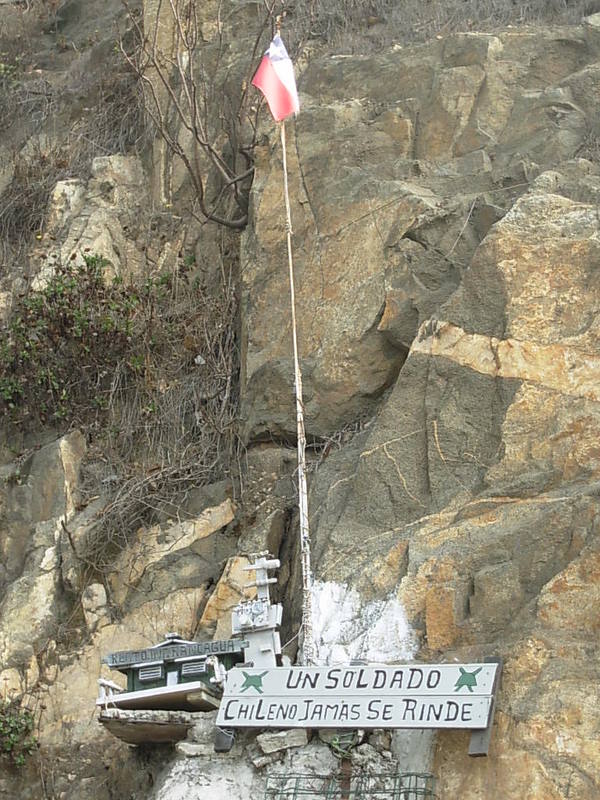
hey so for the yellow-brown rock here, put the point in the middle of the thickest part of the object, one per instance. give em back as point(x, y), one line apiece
point(231, 588)
point(190, 549)
point(572, 598)
point(441, 628)
point(484, 459)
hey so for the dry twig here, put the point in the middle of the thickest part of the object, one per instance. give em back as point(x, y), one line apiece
point(180, 92)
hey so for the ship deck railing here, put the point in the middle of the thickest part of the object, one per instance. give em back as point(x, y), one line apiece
point(107, 691)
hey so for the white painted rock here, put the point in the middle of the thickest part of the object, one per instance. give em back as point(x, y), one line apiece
point(271, 742)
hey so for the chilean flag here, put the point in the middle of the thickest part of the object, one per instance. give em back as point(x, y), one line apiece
point(275, 79)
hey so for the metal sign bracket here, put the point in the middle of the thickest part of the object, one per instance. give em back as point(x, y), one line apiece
point(480, 739)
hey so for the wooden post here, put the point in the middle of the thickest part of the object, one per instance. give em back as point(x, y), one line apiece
point(345, 778)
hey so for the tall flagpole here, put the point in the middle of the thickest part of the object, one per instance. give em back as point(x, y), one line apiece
point(307, 626)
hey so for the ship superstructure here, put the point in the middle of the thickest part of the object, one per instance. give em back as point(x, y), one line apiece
point(179, 675)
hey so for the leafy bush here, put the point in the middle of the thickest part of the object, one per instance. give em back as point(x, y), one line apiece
point(60, 348)
point(73, 348)
point(147, 370)
point(16, 733)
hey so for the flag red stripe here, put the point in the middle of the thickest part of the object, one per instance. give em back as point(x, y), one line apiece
point(280, 101)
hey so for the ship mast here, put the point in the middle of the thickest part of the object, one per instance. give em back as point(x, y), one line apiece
point(275, 79)
point(307, 580)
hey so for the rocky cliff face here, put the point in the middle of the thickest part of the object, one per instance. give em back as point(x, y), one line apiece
point(445, 203)
point(447, 247)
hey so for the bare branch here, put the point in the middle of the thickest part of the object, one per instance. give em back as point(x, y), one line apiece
point(178, 94)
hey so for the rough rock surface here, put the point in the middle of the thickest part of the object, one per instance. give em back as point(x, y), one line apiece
point(446, 216)
point(94, 218)
point(35, 498)
point(197, 772)
point(170, 557)
point(447, 243)
point(230, 589)
point(391, 194)
point(271, 742)
point(482, 461)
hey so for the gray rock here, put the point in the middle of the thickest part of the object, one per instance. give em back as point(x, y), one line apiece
point(194, 750)
point(203, 729)
point(381, 740)
point(260, 759)
point(167, 557)
point(414, 748)
point(41, 487)
point(366, 757)
point(112, 197)
point(94, 604)
point(271, 741)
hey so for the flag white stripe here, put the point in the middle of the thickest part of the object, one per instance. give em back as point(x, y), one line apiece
point(285, 73)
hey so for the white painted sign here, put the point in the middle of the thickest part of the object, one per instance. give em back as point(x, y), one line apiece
point(407, 696)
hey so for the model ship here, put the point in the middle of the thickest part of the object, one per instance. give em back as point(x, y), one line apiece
point(179, 675)
point(246, 679)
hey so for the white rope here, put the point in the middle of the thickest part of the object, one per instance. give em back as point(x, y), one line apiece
point(307, 626)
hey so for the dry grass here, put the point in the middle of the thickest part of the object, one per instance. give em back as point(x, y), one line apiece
point(174, 428)
point(362, 26)
point(590, 147)
point(148, 371)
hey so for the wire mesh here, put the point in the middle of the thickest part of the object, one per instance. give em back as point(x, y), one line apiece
point(362, 786)
point(343, 742)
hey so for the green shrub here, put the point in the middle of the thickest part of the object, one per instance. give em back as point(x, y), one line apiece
point(16, 733)
point(147, 370)
point(63, 344)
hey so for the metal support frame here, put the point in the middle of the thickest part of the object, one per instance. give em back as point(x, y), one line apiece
point(479, 744)
point(363, 786)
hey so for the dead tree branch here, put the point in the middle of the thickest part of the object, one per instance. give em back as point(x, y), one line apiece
point(181, 98)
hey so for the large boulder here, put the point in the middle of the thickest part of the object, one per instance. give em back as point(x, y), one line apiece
point(399, 163)
point(169, 557)
point(98, 217)
point(39, 496)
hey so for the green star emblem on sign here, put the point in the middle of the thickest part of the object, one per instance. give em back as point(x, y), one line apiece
point(466, 679)
point(253, 682)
